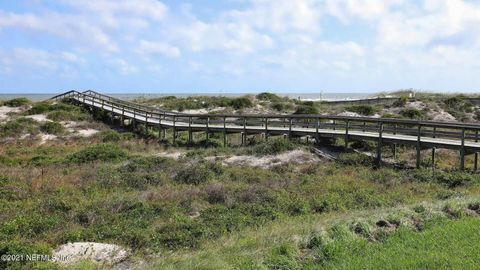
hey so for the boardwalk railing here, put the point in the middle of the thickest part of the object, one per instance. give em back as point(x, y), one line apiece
point(463, 137)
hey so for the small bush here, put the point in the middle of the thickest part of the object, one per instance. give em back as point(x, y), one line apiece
point(196, 174)
point(413, 113)
point(281, 106)
point(401, 102)
point(109, 135)
point(19, 126)
point(265, 96)
point(241, 102)
point(39, 108)
point(103, 152)
point(53, 128)
point(62, 115)
point(273, 147)
point(356, 159)
point(366, 110)
point(306, 109)
point(17, 102)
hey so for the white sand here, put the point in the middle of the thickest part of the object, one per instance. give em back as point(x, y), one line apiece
point(96, 252)
point(87, 132)
point(295, 156)
point(4, 111)
point(46, 137)
point(38, 117)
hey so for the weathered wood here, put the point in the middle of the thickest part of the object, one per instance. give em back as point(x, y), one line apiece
point(379, 145)
point(462, 151)
point(419, 145)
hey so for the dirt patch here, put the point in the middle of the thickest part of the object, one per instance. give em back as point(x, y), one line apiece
point(108, 254)
point(174, 155)
point(295, 156)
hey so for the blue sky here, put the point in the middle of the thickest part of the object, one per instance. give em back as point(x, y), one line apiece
point(239, 45)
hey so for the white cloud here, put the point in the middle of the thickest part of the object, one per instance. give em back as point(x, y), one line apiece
point(123, 66)
point(158, 47)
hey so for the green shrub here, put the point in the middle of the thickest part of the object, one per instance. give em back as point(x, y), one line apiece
point(19, 126)
point(273, 147)
point(62, 115)
point(17, 102)
point(413, 113)
point(306, 109)
point(281, 106)
point(366, 110)
point(53, 128)
point(103, 152)
point(456, 178)
point(39, 108)
point(401, 102)
point(356, 159)
point(241, 103)
point(109, 135)
point(265, 96)
point(196, 174)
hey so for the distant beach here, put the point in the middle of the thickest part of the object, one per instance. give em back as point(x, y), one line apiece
point(131, 96)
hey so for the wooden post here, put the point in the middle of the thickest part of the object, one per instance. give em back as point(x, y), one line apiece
point(364, 126)
point(462, 151)
point(174, 129)
point(475, 164)
point(190, 129)
point(290, 128)
point(207, 135)
point(434, 149)
point(418, 145)
point(395, 145)
point(334, 124)
point(347, 124)
point(244, 135)
point(379, 145)
point(266, 129)
point(224, 131)
point(146, 123)
point(159, 127)
point(317, 130)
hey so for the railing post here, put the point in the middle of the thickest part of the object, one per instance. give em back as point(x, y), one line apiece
point(395, 145)
point(379, 145)
point(434, 149)
point(207, 131)
point(224, 131)
point(266, 129)
point(462, 151)
point(174, 129)
point(190, 129)
point(334, 124)
point(347, 124)
point(244, 135)
point(290, 128)
point(475, 164)
point(317, 130)
point(418, 145)
point(159, 127)
point(146, 123)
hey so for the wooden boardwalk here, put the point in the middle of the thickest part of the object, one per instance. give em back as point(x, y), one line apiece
point(463, 137)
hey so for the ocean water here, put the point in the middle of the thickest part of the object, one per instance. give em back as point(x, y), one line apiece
point(131, 96)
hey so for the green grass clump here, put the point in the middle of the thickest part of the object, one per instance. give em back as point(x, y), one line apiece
point(306, 109)
point(198, 173)
point(19, 126)
point(281, 106)
point(273, 147)
point(62, 115)
point(366, 110)
point(109, 135)
point(241, 103)
point(356, 159)
point(17, 102)
point(54, 128)
point(99, 152)
point(441, 245)
point(413, 114)
point(265, 96)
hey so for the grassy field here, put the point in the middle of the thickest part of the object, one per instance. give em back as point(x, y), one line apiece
point(196, 212)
